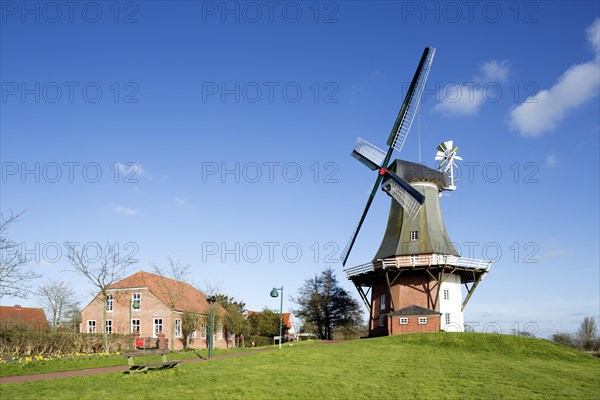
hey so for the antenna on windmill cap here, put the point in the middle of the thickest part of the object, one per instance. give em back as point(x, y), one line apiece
point(446, 153)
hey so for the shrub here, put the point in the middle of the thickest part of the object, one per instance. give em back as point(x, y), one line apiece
point(35, 343)
point(564, 338)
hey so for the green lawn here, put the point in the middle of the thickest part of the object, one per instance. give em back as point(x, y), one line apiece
point(77, 363)
point(417, 366)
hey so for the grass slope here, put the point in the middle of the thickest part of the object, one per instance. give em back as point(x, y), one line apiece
point(417, 366)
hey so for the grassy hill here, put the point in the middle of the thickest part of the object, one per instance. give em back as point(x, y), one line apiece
point(431, 366)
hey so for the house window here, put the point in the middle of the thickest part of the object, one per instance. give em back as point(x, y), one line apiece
point(381, 319)
point(414, 235)
point(136, 301)
point(158, 326)
point(422, 320)
point(193, 334)
point(220, 332)
point(177, 328)
point(447, 316)
point(446, 294)
point(135, 325)
point(403, 321)
point(108, 326)
point(382, 301)
point(203, 330)
point(414, 258)
point(91, 326)
point(109, 302)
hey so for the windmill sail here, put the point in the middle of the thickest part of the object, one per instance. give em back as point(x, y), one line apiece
point(375, 158)
point(370, 155)
point(409, 198)
point(411, 102)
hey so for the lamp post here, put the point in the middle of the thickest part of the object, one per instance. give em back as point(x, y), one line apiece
point(275, 293)
point(211, 300)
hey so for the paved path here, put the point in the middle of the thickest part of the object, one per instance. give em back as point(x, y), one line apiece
point(95, 371)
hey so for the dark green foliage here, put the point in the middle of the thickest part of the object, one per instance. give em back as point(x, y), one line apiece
point(327, 306)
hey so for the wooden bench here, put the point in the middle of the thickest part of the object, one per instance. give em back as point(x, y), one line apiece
point(133, 367)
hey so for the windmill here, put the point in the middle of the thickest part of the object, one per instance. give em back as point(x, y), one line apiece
point(414, 282)
point(446, 153)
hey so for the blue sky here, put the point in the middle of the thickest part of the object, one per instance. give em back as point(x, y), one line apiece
point(221, 136)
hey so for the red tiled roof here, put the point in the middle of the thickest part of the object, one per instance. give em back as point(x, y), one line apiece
point(184, 296)
point(32, 318)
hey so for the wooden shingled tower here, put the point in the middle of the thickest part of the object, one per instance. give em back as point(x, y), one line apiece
point(414, 283)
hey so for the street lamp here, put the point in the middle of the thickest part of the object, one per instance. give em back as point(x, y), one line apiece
point(211, 300)
point(275, 293)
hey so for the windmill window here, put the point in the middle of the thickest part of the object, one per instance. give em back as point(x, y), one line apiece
point(446, 294)
point(414, 258)
point(381, 319)
point(382, 301)
point(403, 321)
point(414, 235)
point(422, 320)
point(447, 316)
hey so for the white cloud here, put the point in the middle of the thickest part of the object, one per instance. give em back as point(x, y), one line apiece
point(131, 170)
point(551, 160)
point(557, 253)
point(462, 99)
point(182, 202)
point(119, 209)
point(543, 112)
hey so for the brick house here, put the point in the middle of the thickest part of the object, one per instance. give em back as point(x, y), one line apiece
point(23, 318)
point(146, 305)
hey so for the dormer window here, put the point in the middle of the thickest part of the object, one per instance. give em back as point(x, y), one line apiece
point(414, 235)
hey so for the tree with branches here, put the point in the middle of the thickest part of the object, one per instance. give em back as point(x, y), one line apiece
point(15, 281)
point(326, 305)
point(57, 299)
point(101, 271)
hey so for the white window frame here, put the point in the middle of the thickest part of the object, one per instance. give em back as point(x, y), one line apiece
point(382, 302)
point(138, 325)
point(403, 321)
point(157, 322)
point(203, 330)
point(446, 294)
point(414, 235)
point(193, 334)
point(422, 320)
point(109, 303)
point(138, 297)
point(381, 319)
point(177, 328)
point(414, 258)
point(108, 326)
point(447, 318)
point(220, 332)
point(91, 326)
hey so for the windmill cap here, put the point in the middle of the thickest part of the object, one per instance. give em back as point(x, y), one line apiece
point(414, 172)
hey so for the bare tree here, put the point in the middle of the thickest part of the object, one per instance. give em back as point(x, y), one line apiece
point(173, 292)
point(57, 299)
point(586, 335)
point(101, 271)
point(14, 280)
